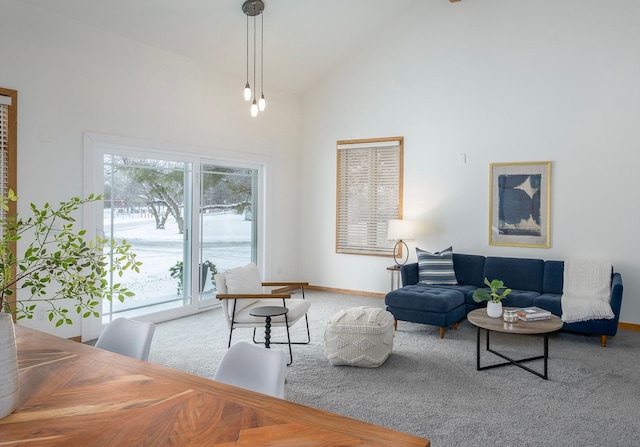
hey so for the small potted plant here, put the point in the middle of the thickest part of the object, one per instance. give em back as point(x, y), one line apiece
point(494, 296)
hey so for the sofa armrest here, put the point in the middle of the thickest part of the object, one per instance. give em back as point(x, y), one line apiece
point(409, 274)
point(616, 295)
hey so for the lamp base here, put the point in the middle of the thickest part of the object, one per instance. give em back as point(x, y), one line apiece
point(405, 258)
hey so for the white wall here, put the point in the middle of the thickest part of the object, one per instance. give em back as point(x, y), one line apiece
point(72, 78)
point(499, 81)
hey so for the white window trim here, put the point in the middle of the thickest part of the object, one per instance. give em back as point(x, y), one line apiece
point(96, 145)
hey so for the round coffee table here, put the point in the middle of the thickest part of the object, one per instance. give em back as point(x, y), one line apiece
point(481, 320)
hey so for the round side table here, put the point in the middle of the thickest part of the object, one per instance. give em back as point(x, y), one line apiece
point(267, 312)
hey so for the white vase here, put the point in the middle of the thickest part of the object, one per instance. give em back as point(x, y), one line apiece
point(8, 366)
point(494, 310)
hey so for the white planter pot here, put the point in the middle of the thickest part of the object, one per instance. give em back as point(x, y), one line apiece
point(8, 367)
point(494, 310)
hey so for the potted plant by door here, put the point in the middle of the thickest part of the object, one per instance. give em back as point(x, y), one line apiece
point(175, 271)
point(494, 296)
point(58, 268)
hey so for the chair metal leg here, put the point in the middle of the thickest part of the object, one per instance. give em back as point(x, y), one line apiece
point(286, 321)
point(233, 317)
point(287, 342)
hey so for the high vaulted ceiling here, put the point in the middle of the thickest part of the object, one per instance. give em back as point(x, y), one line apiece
point(304, 39)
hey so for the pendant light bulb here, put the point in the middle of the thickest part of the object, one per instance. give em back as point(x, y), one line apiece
point(247, 92)
point(262, 103)
point(254, 108)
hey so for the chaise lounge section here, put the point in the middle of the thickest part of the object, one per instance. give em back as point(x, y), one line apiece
point(534, 282)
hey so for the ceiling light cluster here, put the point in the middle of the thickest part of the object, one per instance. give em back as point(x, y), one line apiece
point(253, 8)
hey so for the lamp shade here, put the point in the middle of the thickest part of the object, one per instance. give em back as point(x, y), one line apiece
point(399, 230)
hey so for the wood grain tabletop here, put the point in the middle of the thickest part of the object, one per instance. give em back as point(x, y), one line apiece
point(73, 394)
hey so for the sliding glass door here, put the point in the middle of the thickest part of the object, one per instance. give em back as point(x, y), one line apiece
point(186, 218)
point(146, 203)
point(228, 221)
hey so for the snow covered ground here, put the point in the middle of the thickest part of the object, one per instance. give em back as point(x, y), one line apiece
point(226, 242)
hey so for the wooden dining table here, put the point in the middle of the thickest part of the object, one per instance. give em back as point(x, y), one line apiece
point(72, 394)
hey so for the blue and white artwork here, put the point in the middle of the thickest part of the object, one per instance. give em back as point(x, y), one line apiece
point(519, 204)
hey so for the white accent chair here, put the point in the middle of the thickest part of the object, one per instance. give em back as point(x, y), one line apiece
point(254, 368)
point(241, 290)
point(127, 337)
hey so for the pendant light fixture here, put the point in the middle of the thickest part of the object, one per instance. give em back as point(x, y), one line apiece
point(247, 87)
point(253, 8)
point(261, 102)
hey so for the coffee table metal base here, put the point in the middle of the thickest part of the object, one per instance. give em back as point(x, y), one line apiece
point(510, 361)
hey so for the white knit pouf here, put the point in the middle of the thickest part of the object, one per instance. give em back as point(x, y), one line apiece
point(359, 336)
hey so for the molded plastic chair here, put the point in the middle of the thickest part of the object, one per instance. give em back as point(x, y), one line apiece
point(127, 337)
point(254, 368)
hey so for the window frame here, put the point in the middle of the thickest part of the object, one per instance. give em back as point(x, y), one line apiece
point(375, 242)
point(96, 145)
point(12, 171)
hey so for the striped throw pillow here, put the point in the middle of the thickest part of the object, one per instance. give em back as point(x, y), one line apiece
point(436, 268)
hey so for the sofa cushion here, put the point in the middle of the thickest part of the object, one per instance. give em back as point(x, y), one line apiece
point(553, 277)
point(520, 298)
point(409, 273)
point(551, 302)
point(436, 268)
point(469, 269)
point(424, 298)
point(243, 280)
point(516, 273)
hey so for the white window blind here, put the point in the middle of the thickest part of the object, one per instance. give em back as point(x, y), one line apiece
point(369, 194)
point(4, 151)
point(8, 126)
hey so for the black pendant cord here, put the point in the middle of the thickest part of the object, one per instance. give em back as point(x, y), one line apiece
point(247, 51)
point(262, 55)
point(254, 59)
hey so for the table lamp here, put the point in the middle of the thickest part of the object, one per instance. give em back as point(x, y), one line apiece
point(400, 231)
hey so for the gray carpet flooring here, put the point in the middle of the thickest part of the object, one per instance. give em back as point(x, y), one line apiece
point(430, 387)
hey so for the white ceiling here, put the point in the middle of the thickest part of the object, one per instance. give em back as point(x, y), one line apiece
point(304, 39)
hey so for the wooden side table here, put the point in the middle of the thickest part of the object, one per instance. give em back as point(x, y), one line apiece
point(396, 278)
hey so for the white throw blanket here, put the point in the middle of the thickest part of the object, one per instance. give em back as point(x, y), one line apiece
point(587, 291)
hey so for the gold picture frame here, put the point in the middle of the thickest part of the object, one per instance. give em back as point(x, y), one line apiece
point(520, 204)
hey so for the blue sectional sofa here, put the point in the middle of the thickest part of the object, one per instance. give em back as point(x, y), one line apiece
point(534, 282)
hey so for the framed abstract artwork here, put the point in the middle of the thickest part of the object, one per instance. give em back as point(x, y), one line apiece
point(519, 204)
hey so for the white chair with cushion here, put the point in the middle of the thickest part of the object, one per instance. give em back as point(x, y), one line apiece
point(254, 368)
point(127, 337)
point(241, 290)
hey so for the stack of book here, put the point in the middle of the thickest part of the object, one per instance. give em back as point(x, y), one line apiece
point(533, 314)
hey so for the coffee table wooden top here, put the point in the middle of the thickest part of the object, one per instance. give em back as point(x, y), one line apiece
point(479, 318)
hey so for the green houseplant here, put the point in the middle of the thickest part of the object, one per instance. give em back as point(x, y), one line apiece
point(175, 272)
point(494, 296)
point(59, 267)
